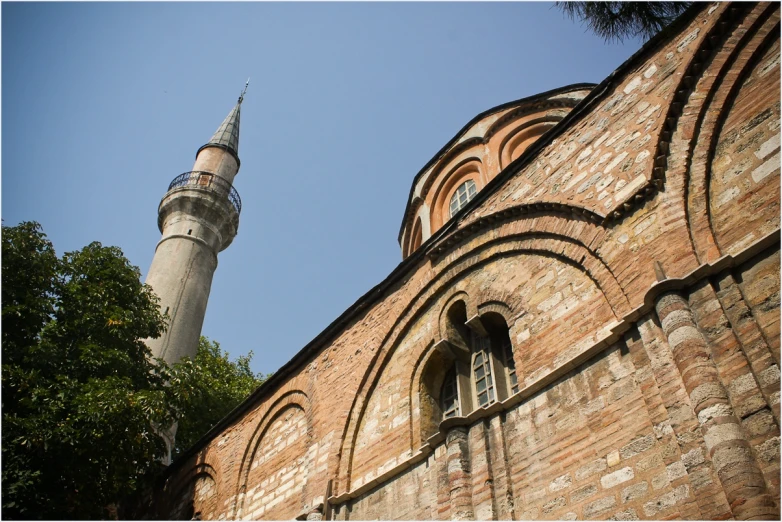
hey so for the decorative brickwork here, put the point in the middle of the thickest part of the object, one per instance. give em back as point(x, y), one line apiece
point(626, 244)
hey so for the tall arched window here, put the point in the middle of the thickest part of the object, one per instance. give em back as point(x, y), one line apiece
point(482, 369)
point(449, 396)
point(510, 365)
point(463, 194)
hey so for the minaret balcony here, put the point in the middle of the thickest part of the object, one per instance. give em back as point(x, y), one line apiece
point(197, 201)
point(206, 181)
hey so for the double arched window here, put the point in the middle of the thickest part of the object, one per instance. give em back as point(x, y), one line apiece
point(482, 370)
point(462, 195)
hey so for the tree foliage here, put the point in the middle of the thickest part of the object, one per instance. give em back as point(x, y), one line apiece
point(80, 396)
point(620, 20)
point(210, 386)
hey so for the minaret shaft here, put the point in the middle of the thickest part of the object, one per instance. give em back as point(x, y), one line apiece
point(181, 275)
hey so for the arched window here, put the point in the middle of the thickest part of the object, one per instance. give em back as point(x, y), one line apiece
point(473, 367)
point(463, 194)
point(449, 396)
point(510, 366)
point(483, 376)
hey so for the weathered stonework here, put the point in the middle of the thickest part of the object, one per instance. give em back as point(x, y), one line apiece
point(625, 246)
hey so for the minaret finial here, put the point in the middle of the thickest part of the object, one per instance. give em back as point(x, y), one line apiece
point(241, 96)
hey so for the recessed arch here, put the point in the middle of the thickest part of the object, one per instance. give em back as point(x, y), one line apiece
point(453, 300)
point(425, 388)
point(419, 217)
point(469, 169)
point(549, 108)
point(195, 492)
point(289, 401)
point(494, 306)
point(416, 236)
point(704, 173)
point(517, 141)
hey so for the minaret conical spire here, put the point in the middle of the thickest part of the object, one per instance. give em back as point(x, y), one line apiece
point(227, 135)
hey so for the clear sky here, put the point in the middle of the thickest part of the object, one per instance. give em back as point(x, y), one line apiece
point(103, 104)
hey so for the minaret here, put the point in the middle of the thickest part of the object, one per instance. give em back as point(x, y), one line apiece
point(198, 217)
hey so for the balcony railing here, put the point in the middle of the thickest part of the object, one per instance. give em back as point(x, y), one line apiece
point(211, 182)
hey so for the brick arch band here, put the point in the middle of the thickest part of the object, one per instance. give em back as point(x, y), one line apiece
point(454, 297)
point(188, 481)
point(291, 399)
point(680, 106)
point(497, 306)
point(722, 88)
point(528, 109)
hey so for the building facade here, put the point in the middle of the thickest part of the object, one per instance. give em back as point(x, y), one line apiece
point(585, 324)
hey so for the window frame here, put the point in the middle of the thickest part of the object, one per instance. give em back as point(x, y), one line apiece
point(482, 347)
point(510, 367)
point(469, 185)
point(451, 379)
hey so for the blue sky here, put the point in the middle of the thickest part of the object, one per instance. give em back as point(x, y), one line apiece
point(103, 104)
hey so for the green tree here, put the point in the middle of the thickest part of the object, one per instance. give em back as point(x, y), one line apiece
point(209, 387)
point(620, 20)
point(80, 395)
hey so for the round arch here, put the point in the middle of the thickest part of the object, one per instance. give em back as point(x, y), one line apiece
point(294, 399)
point(517, 141)
point(468, 169)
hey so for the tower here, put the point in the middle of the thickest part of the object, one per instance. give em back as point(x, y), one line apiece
point(198, 217)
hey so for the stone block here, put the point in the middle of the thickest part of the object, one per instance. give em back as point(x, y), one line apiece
point(628, 514)
point(634, 492)
point(553, 505)
point(599, 506)
point(587, 470)
point(637, 445)
point(693, 458)
point(650, 462)
point(560, 483)
point(582, 493)
point(769, 451)
point(612, 459)
point(660, 481)
point(617, 477)
point(676, 471)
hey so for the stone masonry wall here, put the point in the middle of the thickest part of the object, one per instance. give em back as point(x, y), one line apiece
point(635, 261)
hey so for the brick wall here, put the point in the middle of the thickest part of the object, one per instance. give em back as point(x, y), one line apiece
point(635, 261)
